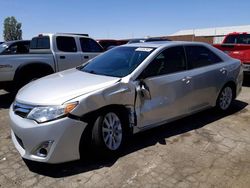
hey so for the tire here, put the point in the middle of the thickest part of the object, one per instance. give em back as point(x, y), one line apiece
point(108, 133)
point(25, 78)
point(225, 98)
point(8, 89)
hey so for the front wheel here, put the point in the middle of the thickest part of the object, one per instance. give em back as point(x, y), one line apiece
point(225, 98)
point(108, 133)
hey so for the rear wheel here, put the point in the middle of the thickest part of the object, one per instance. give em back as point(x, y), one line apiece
point(225, 98)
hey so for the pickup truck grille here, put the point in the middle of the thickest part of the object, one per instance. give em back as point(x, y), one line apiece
point(22, 110)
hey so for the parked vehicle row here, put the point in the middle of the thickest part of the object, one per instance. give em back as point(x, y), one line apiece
point(123, 91)
point(107, 44)
point(49, 53)
point(149, 39)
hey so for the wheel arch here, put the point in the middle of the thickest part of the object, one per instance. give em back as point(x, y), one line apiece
point(90, 118)
point(34, 66)
point(113, 107)
point(233, 85)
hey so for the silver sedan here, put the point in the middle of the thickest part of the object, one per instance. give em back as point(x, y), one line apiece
point(128, 89)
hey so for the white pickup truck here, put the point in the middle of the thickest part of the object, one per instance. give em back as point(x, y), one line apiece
point(49, 53)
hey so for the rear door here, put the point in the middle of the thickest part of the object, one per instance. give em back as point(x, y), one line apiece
point(67, 54)
point(167, 82)
point(90, 49)
point(207, 72)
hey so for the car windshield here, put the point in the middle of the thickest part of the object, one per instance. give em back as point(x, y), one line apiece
point(3, 46)
point(118, 62)
point(238, 39)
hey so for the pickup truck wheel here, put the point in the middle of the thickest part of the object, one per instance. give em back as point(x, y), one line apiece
point(108, 133)
point(225, 98)
point(8, 89)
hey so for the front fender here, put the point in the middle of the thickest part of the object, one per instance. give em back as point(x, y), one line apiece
point(117, 94)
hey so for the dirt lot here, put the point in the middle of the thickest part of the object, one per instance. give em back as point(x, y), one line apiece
point(205, 150)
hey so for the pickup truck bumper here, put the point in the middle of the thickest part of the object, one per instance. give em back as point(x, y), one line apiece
point(246, 67)
point(5, 84)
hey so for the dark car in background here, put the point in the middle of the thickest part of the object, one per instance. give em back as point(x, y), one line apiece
point(15, 47)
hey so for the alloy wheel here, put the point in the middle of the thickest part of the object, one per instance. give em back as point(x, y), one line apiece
point(226, 98)
point(112, 131)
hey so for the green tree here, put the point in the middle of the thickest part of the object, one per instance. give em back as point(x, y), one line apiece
point(12, 29)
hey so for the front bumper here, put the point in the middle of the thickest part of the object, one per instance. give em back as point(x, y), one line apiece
point(65, 134)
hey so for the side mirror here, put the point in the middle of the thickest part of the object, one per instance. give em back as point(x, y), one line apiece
point(144, 90)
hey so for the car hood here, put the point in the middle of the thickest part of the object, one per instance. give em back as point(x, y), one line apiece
point(58, 88)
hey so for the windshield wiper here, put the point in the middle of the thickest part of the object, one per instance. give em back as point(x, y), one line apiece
point(90, 71)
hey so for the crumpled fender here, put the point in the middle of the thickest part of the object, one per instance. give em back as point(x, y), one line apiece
point(118, 94)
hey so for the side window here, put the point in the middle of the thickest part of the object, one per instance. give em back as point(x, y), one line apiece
point(169, 61)
point(89, 45)
point(200, 56)
point(66, 44)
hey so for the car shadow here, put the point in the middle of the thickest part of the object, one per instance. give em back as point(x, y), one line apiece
point(6, 99)
point(135, 143)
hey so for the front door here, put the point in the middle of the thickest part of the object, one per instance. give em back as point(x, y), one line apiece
point(168, 86)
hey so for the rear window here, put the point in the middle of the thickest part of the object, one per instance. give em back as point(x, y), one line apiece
point(238, 39)
point(40, 43)
point(200, 56)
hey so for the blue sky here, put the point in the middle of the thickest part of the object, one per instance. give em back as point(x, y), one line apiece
point(122, 19)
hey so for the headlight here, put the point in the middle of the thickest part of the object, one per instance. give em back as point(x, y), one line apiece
point(47, 113)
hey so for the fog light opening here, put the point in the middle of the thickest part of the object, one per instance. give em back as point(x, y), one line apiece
point(42, 152)
point(44, 148)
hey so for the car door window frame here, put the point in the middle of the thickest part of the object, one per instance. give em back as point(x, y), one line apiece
point(191, 65)
point(144, 75)
point(73, 49)
point(89, 48)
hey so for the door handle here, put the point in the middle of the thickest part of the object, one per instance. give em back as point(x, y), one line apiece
point(62, 57)
point(86, 57)
point(144, 90)
point(223, 70)
point(186, 79)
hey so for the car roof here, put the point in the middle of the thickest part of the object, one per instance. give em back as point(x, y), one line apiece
point(157, 44)
point(62, 34)
point(14, 41)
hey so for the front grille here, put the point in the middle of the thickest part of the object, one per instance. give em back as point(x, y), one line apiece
point(20, 142)
point(22, 110)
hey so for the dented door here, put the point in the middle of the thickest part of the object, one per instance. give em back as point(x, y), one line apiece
point(169, 98)
point(164, 88)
